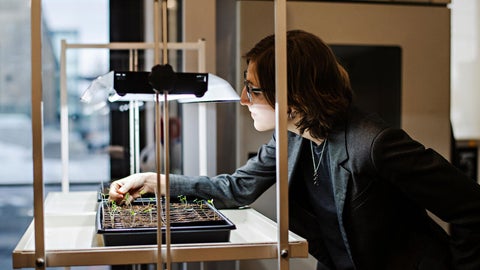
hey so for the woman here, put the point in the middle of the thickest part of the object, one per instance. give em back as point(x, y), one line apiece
point(359, 189)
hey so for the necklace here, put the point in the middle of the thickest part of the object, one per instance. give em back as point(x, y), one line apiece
point(316, 175)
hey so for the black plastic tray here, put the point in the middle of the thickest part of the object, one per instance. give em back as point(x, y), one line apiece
point(180, 232)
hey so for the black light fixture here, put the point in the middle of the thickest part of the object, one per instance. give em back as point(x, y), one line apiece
point(186, 87)
point(162, 78)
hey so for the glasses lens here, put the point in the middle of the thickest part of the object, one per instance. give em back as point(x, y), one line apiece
point(249, 94)
point(247, 86)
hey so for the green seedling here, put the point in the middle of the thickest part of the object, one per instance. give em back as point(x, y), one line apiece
point(198, 202)
point(128, 199)
point(183, 200)
point(113, 208)
point(132, 214)
point(201, 206)
point(142, 192)
point(149, 210)
point(211, 203)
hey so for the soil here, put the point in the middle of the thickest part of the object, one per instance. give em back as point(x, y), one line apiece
point(144, 214)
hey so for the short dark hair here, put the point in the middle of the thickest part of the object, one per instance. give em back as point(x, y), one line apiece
point(318, 87)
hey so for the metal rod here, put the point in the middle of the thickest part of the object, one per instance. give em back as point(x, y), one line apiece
point(165, 135)
point(131, 121)
point(166, 141)
point(137, 45)
point(159, 187)
point(136, 117)
point(281, 133)
point(166, 164)
point(202, 119)
point(165, 31)
point(156, 18)
point(131, 136)
point(203, 138)
point(64, 147)
point(37, 132)
point(134, 120)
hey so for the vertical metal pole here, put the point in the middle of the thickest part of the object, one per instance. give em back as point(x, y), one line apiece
point(203, 138)
point(164, 31)
point(283, 253)
point(136, 117)
point(166, 164)
point(131, 136)
point(37, 129)
point(202, 117)
point(156, 22)
point(158, 119)
point(134, 120)
point(131, 122)
point(166, 140)
point(64, 117)
point(134, 138)
point(159, 186)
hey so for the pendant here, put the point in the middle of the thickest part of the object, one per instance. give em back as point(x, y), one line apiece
point(316, 179)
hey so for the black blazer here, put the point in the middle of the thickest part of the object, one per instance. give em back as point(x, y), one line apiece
point(383, 183)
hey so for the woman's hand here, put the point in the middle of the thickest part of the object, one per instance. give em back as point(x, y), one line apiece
point(135, 184)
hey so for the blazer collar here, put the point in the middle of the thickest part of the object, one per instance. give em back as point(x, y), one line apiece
point(294, 146)
point(337, 150)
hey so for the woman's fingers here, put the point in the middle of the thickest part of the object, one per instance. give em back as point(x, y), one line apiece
point(115, 194)
point(134, 185)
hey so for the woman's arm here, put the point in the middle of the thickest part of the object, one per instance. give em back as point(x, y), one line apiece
point(242, 187)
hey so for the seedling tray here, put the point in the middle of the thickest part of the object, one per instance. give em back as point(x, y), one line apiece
point(136, 224)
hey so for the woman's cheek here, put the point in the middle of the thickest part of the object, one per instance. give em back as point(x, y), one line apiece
point(264, 118)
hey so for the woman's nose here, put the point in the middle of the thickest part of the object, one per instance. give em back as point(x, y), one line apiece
point(244, 98)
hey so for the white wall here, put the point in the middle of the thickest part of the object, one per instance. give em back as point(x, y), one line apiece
point(465, 69)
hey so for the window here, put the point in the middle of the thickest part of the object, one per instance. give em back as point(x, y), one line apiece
point(76, 22)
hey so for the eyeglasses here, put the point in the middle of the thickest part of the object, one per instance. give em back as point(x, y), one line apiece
point(250, 89)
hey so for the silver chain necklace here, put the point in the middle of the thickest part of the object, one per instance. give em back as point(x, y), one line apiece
point(316, 175)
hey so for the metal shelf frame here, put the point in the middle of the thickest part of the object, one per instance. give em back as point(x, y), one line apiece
point(133, 48)
point(40, 255)
point(72, 239)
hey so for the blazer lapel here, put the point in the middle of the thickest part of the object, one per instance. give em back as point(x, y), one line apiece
point(338, 155)
point(340, 176)
point(294, 146)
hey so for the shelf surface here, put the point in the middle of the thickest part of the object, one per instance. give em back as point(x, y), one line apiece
point(71, 238)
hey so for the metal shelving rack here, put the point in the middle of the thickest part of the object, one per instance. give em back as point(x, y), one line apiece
point(71, 239)
point(78, 243)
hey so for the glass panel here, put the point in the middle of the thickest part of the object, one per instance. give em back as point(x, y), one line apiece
point(77, 22)
point(15, 125)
